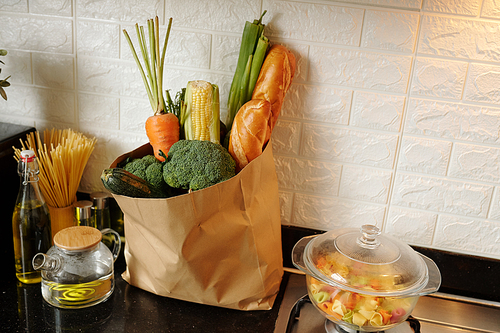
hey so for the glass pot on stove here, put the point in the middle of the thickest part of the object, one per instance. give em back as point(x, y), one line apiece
point(363, 280)
point(78, 271)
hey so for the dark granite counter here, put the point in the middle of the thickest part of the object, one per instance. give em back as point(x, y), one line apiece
point(129, 309)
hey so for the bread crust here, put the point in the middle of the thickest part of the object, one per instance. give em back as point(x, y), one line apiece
point(255, 120)
point(275, 78)
point(251, 130)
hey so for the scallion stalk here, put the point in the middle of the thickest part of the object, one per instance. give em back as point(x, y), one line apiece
point(246, 71)
point(152, 73)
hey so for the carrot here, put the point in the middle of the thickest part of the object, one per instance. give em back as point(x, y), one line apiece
point(162, 128)
point(386, 316)
point(162, 131)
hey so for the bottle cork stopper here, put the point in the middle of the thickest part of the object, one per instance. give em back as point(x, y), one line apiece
point(77, 238)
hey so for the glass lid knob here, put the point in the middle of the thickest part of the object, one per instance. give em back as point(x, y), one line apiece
point(369, 238)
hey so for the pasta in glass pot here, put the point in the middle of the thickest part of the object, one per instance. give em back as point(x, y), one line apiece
point(363, 280)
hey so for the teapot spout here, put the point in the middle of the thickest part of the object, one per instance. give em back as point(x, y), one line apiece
point(45, 262)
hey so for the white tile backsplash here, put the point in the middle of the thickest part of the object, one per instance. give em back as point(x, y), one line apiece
point(413, 226)
point(53, 70)
point(20, 6)
point(330, 24)
point(481, 82)
point(453, 121)
point(478, 236)
point(490, 9)
point(442, 195)
point(481, 163)
point(393, 117)
point(439, 78)
point(321, 212)
point(377, 111)
point(394, 31)
point(217, 15)
point(318, 103)
point(18, 67)
point(36, 33)
point(349, 146)
point(119, 10)
point(51, 7)
point(424, 155)
point(98, 39)
point(359, 69)
point(308, 176)
point(463, 7)
point(360, 183)
point(459, 37)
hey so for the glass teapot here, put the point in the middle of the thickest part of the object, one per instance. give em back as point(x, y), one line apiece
point(78, 271)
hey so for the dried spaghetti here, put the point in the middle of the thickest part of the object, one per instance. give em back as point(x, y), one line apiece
point(62, 157)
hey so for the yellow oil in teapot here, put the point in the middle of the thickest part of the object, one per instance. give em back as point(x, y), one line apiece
point(76, 295)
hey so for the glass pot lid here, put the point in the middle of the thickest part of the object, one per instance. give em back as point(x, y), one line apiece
point(366, 261)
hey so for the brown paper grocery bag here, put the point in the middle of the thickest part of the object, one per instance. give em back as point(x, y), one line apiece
point(218, 246)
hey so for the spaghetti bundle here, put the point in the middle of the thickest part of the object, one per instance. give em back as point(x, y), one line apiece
point(62, 157)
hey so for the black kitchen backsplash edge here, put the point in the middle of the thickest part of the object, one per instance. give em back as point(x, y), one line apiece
point(464, 275)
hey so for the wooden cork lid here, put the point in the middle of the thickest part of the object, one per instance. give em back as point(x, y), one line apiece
point(77, 238)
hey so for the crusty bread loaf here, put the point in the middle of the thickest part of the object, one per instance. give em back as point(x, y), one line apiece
point(255, 120)
point(275, 78)
point(250, 131)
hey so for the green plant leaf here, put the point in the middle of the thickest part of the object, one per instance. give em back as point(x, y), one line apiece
point(2, 92)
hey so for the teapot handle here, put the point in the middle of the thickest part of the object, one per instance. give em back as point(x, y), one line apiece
point(117, 243)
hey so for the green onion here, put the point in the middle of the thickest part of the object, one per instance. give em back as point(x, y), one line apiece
point(258, 60)
point(152, 75)
point(253, 49)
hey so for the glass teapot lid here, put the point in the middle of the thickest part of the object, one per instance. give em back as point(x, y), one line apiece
point(77, 238)
point(365, 261)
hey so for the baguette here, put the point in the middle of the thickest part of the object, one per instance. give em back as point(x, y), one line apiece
point(251, 130)
point(275, 78)
point(255, 120)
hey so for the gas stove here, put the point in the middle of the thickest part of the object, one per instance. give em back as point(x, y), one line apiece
point(436, 313)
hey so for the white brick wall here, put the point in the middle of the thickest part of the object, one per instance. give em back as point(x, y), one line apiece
point(393, 118)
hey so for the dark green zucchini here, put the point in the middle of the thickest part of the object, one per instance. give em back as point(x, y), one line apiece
point(122, 182)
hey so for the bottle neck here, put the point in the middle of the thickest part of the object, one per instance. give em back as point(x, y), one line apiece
point(29, 189)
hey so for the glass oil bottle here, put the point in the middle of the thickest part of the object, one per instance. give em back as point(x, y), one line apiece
point(30, 220)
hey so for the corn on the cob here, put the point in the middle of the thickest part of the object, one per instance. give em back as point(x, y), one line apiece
point(200, 114)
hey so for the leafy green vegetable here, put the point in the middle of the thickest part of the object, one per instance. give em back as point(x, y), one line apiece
point(138, 166)
point(152, 74)
point(194, 165)
point(253, 50)
point(154, 175)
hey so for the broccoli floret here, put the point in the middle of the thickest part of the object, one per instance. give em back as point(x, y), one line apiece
point(138, 166)
point(150, 159)
point(154, 175)
point(194, 164)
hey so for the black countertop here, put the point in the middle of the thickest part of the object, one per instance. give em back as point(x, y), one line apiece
point(129, 309)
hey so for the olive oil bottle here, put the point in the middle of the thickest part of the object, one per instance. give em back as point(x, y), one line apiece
point(30, 220)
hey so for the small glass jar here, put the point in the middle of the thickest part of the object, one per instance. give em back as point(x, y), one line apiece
point(100, 209)
point(83, 213)
point(78, 271)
